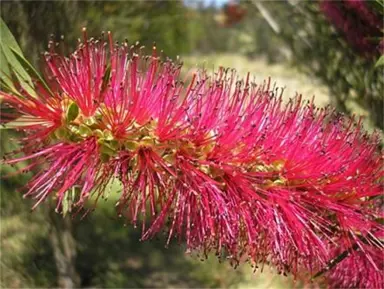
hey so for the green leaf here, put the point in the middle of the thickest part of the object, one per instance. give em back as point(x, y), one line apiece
point(6, 84)
point(5, 71)
point(90, 121)
point(131, 145)
point(114, 144)
point(72, 112)
point(69, 199)
point(10, 64)
point(106, 149)
point(108, 134)
point(380, 62)
point(7, 37)
point(377, 6)
point(25, 64)
point(106, 77)
point(85, 131)
point(19, 122)
point(104, 157)
point(99, 133)
point(61, 133)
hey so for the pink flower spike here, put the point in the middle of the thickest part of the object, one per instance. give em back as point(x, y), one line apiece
point(222, 165)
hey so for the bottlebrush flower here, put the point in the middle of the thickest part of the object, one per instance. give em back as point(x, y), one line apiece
point(363, 29)
point(357, 272)
point(223, 164)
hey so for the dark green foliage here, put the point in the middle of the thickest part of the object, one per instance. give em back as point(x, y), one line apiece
point(163, 22)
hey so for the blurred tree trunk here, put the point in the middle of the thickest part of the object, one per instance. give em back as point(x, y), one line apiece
point(64, 250)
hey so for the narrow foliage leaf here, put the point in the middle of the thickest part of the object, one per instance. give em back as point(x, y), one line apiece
point(26, 65)
point(380, 62)
point(10, 64)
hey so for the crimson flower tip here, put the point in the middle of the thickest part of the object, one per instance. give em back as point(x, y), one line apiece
point(361, 26)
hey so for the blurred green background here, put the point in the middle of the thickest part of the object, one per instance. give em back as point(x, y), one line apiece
point(291, 41)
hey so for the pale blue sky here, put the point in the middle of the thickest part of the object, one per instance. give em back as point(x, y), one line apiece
point(217, 3)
